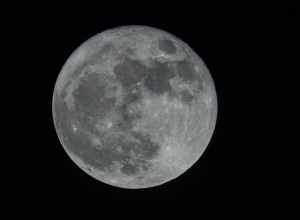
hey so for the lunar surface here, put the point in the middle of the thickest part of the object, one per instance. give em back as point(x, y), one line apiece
point(134, 107)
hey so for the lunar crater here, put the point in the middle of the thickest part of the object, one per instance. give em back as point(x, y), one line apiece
point(132, 109)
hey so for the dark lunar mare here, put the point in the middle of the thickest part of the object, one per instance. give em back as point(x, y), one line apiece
point(89, 96)
point(129, 72)
point(90, 105)
point(186, 97)
point(166, 46)
point(185, 70)
point(77, 143)
point(155, 78)
point(158, 78)
point(80, 145)
point(127, 117)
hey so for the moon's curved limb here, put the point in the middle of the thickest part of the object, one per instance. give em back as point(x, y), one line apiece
point(182, 130)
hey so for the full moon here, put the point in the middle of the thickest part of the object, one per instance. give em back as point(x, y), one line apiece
point(134, 107)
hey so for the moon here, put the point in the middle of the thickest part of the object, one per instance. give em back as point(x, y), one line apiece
point(134, 107)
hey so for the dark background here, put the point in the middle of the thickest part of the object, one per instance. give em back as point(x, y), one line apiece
point(237, 43)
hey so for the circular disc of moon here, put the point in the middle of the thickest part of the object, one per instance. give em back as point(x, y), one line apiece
point(134, 107)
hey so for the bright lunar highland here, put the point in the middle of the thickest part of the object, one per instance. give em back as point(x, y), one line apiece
point(134, 107)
